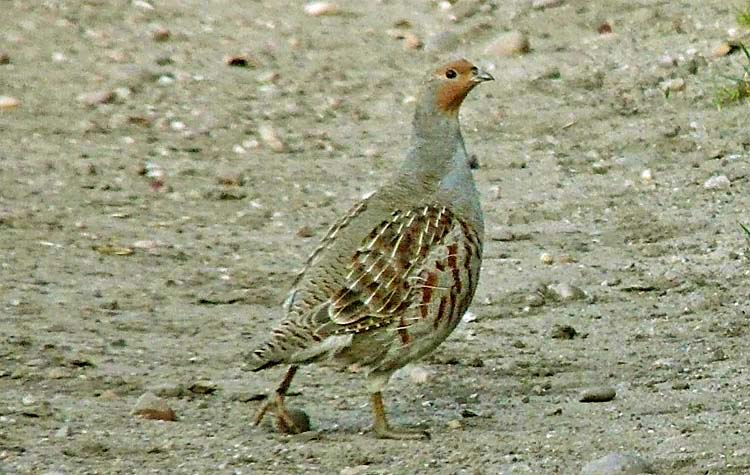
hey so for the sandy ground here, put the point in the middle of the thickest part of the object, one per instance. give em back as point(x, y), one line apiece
point(148, 232)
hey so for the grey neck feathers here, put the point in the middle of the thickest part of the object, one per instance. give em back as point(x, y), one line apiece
point(437, 147)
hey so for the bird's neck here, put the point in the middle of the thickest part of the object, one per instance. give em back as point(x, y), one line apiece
point(437, 147)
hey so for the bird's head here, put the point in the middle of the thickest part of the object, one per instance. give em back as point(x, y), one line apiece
point(449, 84)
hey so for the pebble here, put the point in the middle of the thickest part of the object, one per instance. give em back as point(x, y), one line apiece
point(160, 33)
point(563, 332)
point(4, 58)
point(321, 8)
point(203, 387)
point(597, 394)
point(546, 258)
point(8, 103)
point(356, 470)
point(168, 390)
point(542, 4)
point(420, 375)
point(563, 292)
point(412, 41)
point(647, 176)
point(97, 97)
point(617, 464)
point(150, 406)
point(300, 419)
point(143, 5)
point(464, 9)
point(237, 60)
point(717, 182)
point(722, 50)
point(63, 432)
point(455, 424)
point(513, 43)
point(271, 138)
point(673, 85)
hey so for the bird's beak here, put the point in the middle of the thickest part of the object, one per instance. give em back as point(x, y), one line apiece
point(482, 76)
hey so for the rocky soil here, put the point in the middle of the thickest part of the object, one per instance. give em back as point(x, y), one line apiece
point(166, 165)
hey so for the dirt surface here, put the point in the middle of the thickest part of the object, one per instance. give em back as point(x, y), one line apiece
point(155, 203)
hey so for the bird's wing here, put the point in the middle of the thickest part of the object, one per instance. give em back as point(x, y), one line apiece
point(385, 274)
point(324, 244)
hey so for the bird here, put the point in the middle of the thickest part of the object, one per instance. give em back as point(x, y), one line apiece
point(392, 278)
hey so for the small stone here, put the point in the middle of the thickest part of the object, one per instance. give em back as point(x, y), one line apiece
point(305, 232)
point(546, 258)
point(542, 4)
point(722, 50)
point(420, 375)
point(59, 373)
point(271, 138)
point(97, 97)
point(4, 58)
point(299, 418)
point(673, 85)
point(356, 470)
point(509, 44)
point(464, 9)
point(563, 332)
point(8, 103)
point(600, 168)
point(143, 5)
point(617, 464)
point(237, 60)
point(563, 292)
point(160, 33)
point(647, 176)
point(63, 432)
point(203, 387)
point(455, 424)
point(534, 300)
point(667, 61)
point(149, 406)
point(412, 41)
point(717, 182)
point(604, 28)
point(321, 8)
point(597, 394)
point(680, 385)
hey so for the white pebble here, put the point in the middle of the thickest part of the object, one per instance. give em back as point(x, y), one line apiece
point(717, 182)
point(320, 8)
point(509, 44)
point(271, 138)
point(143, 5)
point(7, 102)
point(420, 375)
point(647, 176)
point(542, 4)
point(673, 85)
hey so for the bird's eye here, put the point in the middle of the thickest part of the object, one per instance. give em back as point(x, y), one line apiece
point(450, 74)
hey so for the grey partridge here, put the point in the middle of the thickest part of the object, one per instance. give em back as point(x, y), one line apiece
point(393, 277)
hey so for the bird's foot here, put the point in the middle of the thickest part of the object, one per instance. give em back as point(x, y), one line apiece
point(284, 421)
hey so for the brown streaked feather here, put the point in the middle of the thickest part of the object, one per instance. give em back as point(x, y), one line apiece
point(383, 279)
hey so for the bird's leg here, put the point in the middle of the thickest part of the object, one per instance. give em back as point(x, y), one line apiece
point(284, 421)
point(383, 430)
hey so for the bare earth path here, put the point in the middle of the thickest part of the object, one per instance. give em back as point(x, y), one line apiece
point(148, 231)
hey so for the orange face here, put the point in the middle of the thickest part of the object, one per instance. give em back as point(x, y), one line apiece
point(455, 80)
